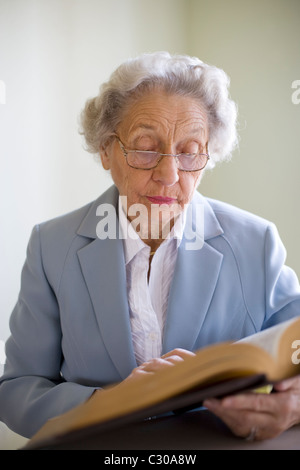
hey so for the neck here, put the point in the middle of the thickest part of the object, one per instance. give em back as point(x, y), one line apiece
point(154, 244)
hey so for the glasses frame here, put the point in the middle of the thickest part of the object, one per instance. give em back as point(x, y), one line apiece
point(162, 155)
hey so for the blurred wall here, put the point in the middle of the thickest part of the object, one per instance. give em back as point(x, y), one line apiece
point(257, 43)
point(53, 56)
point(55, 53)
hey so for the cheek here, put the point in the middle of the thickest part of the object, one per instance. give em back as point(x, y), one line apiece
point(119, 173)
point(189, 183)
point(199, 178)
point(130, 182)
point(138, 183)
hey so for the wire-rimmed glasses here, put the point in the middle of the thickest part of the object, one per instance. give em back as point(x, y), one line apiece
point(148, 159)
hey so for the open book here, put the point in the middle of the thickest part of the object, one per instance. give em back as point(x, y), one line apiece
point(218, 370)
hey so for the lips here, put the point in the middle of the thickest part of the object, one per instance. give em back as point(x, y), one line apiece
point(161, 200)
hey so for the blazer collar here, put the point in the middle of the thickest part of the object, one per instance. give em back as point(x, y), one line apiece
point(88, 226)
point(195, 278)
point(212, 227)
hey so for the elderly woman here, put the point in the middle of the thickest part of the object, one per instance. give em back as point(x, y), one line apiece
point(152, 270)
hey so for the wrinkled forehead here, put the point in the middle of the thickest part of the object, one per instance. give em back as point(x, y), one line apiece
point(160, 113)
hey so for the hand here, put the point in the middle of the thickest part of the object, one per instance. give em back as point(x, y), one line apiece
point(167, 360)
point(258, 416)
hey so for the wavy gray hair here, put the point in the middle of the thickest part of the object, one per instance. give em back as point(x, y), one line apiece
point(176, 74)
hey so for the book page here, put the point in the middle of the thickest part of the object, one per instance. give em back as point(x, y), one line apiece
point(268, 339)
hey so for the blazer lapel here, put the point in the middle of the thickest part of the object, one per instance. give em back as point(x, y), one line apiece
point(194, 283)
point(103, 268)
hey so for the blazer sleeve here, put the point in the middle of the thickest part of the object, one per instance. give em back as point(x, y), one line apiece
point(282, 292)
point(31, 388)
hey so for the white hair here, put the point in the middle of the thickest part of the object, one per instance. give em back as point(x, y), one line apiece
point(175, 74)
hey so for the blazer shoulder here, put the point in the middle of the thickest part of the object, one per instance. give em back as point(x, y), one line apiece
point(231, 217)
point(53, 239)
point(64, 235)
point(56, 235)
point(66, 225)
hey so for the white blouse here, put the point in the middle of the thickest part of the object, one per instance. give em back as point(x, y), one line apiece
point(148, 300)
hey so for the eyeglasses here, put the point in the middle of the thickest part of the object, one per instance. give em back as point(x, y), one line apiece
point(147, 159)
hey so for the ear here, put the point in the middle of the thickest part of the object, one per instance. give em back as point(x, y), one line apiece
point(105, 159)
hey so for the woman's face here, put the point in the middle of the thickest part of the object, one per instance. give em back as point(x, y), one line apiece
point(169, 124)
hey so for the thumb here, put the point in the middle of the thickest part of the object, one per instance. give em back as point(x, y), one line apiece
point(287, 384)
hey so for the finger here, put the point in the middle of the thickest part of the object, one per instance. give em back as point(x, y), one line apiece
point(288, 384)
point(155, 364)
point(183, 353)
point(175, 359)
point(168, 359)
point(257, 402)
point(243, 422)
point(232, 418)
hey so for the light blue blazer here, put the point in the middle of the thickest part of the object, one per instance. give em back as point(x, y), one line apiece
point(70, 329)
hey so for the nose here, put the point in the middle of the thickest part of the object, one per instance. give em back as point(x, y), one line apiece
point(166, 171)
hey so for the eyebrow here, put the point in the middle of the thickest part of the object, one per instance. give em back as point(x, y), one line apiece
point(144, 126)
point(195, 130)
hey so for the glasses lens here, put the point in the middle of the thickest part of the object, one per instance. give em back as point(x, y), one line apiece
point(140, 159)
point(191, 162)
point(146, 160)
